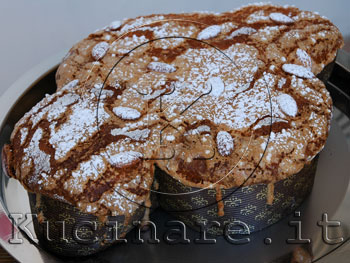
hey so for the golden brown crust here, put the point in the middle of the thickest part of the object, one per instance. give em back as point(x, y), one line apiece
point(223, 79)
point(308, 32)
point(58, 150)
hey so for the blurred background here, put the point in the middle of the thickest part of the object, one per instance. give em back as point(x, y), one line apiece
point(34, 30)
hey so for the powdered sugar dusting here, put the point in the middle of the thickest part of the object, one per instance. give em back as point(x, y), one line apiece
point(242, 31)
point(88, 170)
point(60, 105)
point(281, 18)
point(137, 135)
point(200, 129)
point(40, 159)
point(99, 50)
point(154, 95)
point(161, 67)
point(268, 121)
point(141, 21)
point(287, 104)
point(126, 44)
point(125, 158)
point(298, 71)
point(224, 142)
point(247, 92)
point(257, 17)
point(80, 125)
point(209, 32)
point(304, 58)
point(24, 133)
point(126, 113)
point(71, 85)
point(99, 92)
point(118, 201)
point(55, 109)
point(217, 86)
point(281, 82)
point(115, 25)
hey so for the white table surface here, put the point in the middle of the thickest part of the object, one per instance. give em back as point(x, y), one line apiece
point(33, 30)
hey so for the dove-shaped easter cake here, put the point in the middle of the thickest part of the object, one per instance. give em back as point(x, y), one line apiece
point(212, 101)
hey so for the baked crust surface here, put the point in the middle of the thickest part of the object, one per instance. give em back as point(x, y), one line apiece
point(209, 98)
